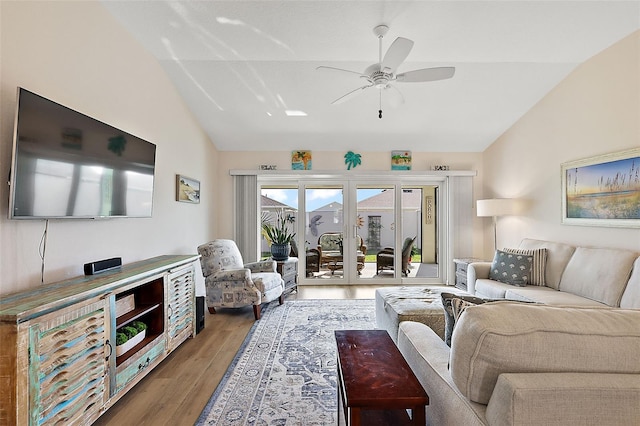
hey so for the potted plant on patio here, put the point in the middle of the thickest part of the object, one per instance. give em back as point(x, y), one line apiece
point(278, 234)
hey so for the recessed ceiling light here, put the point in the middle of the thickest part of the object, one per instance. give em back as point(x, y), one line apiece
point(295, 113)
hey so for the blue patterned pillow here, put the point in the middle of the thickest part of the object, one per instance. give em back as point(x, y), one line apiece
point(450, 315)
point(511, 268)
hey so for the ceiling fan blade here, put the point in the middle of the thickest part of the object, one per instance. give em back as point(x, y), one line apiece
point(426, 74)
point(394, 96)
point(397, 53)
point(332, 69)
point(351, 94)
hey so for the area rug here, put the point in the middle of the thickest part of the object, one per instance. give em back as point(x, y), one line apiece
point(285, 371)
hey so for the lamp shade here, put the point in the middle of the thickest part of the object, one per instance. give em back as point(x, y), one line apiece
point(495, 207)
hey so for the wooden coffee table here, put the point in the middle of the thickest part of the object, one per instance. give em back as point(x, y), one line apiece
point(375, 383)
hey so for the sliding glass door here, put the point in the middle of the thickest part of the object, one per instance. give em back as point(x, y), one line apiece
point(352, 231)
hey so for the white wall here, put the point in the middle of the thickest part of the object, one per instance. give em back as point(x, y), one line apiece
point(76, 54)
point(594, 111)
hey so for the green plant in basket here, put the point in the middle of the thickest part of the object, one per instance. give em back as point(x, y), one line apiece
point(121, 338)
point(139, 325)
point(130, 331)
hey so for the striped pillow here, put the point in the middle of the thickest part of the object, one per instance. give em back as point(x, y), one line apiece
point(539, 263)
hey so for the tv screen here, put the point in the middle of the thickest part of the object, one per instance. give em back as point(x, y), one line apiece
point(69, 165)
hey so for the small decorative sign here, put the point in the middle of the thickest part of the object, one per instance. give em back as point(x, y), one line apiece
point(352, 160)
point(440, 167)
point(268, 167)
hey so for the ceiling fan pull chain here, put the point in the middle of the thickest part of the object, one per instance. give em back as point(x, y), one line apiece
point(380, 110)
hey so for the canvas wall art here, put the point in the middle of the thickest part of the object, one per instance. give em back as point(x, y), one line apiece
point(187, 189)
point(400, 160)
point(602, 190)
point(301, 160)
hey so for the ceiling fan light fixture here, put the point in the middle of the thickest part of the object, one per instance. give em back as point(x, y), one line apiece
point(382, 74)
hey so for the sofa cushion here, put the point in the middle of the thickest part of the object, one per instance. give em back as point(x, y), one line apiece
point(565, 398)
point(537, 267)
point(599, 274)
point(511, 268)
point(491, 289)
point(631, 296)
point(548, 296)
point(504, 337)
point(558, 256)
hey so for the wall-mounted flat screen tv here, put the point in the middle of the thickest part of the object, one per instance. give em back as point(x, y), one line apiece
point(68, 165)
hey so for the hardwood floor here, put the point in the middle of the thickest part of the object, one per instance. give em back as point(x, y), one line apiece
point(178, 389)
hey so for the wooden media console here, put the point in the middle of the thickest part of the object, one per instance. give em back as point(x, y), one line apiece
point(58, 362)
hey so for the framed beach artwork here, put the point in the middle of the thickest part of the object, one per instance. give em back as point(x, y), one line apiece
point(301, 160)
point(187, 189)
point(603, 190)
point(400, 160)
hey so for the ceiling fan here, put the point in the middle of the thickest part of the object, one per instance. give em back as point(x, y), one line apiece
point(382, 74)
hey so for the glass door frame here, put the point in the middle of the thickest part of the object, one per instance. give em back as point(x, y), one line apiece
point(350, 185)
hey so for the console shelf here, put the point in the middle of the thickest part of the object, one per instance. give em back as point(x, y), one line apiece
point(68, 329)
point(129, 317)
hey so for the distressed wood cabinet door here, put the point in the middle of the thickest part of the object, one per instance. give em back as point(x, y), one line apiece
point(68, 364)
point(181, 304)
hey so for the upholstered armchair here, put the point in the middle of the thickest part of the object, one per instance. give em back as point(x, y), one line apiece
point(385, 257)
point(230, 283)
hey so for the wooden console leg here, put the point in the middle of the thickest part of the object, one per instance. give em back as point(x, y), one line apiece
point(212, 310)
point(281, 299)
point(256, 311)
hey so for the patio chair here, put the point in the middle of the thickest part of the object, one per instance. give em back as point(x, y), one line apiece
point(312, 259)
point(385, 257)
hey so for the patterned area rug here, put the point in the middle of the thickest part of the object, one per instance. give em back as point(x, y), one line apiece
point(285, 371)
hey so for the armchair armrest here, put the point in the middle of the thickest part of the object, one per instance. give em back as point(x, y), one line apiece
point(268, 265)
point(562, 398)
point(475, 271)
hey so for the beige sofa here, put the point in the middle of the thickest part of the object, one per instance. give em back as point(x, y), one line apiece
point(570, 358)
point(585, 276)
point(529, 364)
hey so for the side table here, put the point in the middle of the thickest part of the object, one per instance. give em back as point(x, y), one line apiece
point(288, 269)
point(461, 271)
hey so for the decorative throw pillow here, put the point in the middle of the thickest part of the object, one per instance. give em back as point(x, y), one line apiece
point(539, 263)
point(451, 314)
point(511, 268)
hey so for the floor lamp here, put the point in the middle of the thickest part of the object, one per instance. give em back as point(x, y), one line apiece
point(493, 208)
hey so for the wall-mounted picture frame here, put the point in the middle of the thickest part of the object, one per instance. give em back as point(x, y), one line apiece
point(400, 160)
point(301, 160)
point(602, 190)
point(187, 189)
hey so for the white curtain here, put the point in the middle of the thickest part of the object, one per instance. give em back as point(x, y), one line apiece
point(245, 214)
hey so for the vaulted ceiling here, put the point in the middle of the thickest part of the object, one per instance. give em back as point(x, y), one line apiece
point(243, 67)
